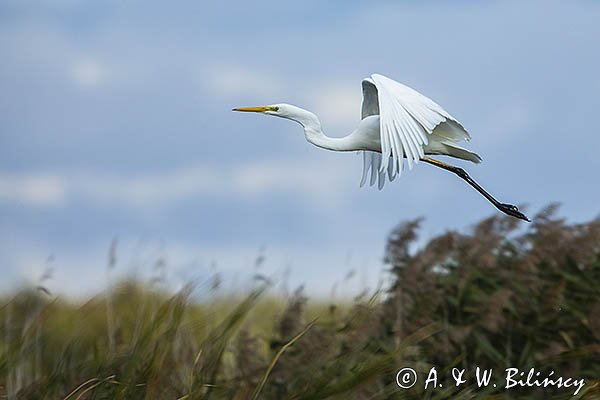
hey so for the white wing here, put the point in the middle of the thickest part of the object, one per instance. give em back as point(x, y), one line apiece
point(370, 104)
point(407, 118)
point(371, 160)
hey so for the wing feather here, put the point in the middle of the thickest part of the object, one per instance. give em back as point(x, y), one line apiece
point(391, 174)
point(381, 180)
point(375, 168)
point(418, 133)
point(371, 163)
point(413, 143)
point(428, 120)
point(367, 162)
point(407, 118)
point(386, 149)
point(397, 152)
point(370, 103)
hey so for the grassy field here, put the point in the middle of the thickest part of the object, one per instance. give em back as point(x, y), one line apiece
point(492, 298)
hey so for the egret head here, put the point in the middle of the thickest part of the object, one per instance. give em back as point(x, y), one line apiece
point(288, 111)
point(278, 110)
point(271, 110)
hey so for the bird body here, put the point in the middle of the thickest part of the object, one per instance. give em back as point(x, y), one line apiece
point(367, 138)
point(397, 124)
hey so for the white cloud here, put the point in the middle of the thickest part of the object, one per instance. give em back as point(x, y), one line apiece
point(34, 190)
point(88, 73)
point(339, 103)
point(336, 103)
point(145, 189)
point(235, 81)
point(322, 183)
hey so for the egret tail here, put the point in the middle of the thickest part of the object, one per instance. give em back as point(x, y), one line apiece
point(462, 153)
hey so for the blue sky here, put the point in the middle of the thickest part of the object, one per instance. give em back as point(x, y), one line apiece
point(116, 122)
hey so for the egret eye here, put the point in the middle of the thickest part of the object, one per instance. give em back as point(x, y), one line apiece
point(274, 108)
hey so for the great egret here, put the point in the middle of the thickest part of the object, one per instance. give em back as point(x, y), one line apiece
point(397, 122)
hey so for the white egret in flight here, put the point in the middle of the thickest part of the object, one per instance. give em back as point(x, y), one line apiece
point(397, 122)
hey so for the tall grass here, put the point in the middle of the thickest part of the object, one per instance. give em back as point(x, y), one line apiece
point(493, 297)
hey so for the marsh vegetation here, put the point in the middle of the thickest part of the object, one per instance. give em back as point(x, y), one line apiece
point(494, 297)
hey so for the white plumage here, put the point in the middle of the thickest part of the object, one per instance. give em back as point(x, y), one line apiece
point(397, 123)
point(410, 126)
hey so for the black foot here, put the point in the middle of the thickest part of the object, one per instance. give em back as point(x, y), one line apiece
point(513, 211)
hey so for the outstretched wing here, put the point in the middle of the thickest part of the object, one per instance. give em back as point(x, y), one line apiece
point(370, 103)
point(372, 162)
point(407, 118)
point(371, 159)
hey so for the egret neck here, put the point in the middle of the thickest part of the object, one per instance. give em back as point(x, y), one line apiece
point(314, 132)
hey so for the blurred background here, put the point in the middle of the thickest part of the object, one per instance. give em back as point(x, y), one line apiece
point(116, 123)
point(146, 228)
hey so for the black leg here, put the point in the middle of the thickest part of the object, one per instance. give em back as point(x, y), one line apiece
point(505, 208)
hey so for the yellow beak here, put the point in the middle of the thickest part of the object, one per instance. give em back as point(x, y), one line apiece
point(255, 109)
